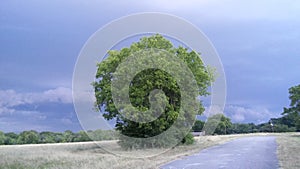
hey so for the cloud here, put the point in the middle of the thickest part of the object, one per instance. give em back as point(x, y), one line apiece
point(41, 111)
point(10, 98)
point(60, 94)
point(212, 110)
point(24, 105)
point(43, 117)
point(243, 114)
point(6, 110)
point(13, 125)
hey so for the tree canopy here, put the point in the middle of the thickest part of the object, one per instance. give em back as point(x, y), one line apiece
point(295, 100)
point(222, 122)
point(155, 95)
point(34, 137)
point(292, 114)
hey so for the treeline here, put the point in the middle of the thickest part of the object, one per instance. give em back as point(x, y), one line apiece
point(34, 137)
point(287, 123)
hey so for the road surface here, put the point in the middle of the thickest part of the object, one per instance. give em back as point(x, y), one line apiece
point(243, 153)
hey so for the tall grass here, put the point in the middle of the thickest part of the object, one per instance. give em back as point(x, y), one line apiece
point(87, 155)
point(289, 150)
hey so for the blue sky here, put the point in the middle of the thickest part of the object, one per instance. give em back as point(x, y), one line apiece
point(257, 41)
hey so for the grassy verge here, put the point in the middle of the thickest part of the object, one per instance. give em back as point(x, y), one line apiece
point(289, 150)
point(89, 155)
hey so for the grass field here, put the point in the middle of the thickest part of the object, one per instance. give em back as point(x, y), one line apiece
point(289, 150)
point(89, 155)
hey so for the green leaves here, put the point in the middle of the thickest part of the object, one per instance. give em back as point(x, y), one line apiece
point(295, 96)
point(125, 82)
point(293, 112)
point(223, 123)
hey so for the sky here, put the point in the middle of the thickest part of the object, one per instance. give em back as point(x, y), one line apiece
point(257, 41)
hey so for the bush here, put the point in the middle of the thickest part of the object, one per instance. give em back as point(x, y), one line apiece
point(188, 139)
point(130, 143)
point(163, 141)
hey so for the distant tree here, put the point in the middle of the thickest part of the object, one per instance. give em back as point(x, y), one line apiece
point(2, 138)
point(28, 137)
point(11, 138)
point(237, 128)
point(68, 136)
point(81, 136)
point(265, 127)
point(59, 137)
point(223, 124)
point(33, 137)
point(198, 126)
point(283, 128)
point(253, 128)
point(47, 137)
point(99, 135)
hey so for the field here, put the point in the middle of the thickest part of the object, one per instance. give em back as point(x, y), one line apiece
point(289, 150)
point(90, 155)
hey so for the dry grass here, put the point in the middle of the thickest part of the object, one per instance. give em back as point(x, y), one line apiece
point(289, 150)
point(90, 155)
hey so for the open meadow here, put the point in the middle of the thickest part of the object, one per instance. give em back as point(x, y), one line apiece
point(289, 150)
point(87, 155)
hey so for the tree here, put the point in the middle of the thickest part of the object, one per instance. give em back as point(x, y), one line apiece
point(293, 112)
point(68, 136)
point(198, 126)
point(265, 127)
point(223, 124)
point(141, 89)
point(47, 137)
point(99, 135)
point(11, 138)
point(81, 136)
point(283, 128)
point(2, 138)
point(237, 128)
point(28, 137)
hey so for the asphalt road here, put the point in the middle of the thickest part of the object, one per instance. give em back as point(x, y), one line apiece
point(243, 153)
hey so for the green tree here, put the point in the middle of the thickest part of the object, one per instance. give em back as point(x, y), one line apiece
point(198, 126)
point(99, 135)
point(11, 138)
point(68, 136)
point(2, 138)
point(59, 137)
point(283, 128)
point(242, 128)
point(144, 83)
point(81, 136)
point(47, 137)
point(293, 112)
point(223, 124)
point(28, 137)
